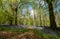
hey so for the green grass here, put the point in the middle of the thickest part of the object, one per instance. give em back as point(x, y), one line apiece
point(46, 35)
point(38, 33)
point(13, 29)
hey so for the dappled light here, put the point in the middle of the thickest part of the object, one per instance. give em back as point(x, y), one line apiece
point(30, 19)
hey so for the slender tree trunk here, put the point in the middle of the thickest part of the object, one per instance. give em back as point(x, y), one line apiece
point(52, 17)
point(40, 21)
point(15, 16)
point(10, 22)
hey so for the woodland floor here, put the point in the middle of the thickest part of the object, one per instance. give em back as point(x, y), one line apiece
point(25, 33)
point(11, 35)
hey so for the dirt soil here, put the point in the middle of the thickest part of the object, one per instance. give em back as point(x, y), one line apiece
point(18, 35)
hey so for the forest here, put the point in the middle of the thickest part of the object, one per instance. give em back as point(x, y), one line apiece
point(29, 19)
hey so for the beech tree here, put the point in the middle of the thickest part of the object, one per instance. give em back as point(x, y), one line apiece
point(53, 24)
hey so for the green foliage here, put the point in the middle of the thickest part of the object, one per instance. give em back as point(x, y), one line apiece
point(8, 13)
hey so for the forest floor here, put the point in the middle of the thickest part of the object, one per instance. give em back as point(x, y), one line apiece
point(14, 35)
point(28, 33)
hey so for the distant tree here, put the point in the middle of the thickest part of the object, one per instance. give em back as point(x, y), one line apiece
point(14, 8)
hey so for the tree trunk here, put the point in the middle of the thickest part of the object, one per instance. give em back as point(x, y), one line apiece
point(40, 21)
point(15, 16)
point(51, 15)
point(10, 22)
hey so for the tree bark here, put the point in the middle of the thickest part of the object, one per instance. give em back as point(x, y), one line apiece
point(16, 16)
point(11, 22)
point(51, 16)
